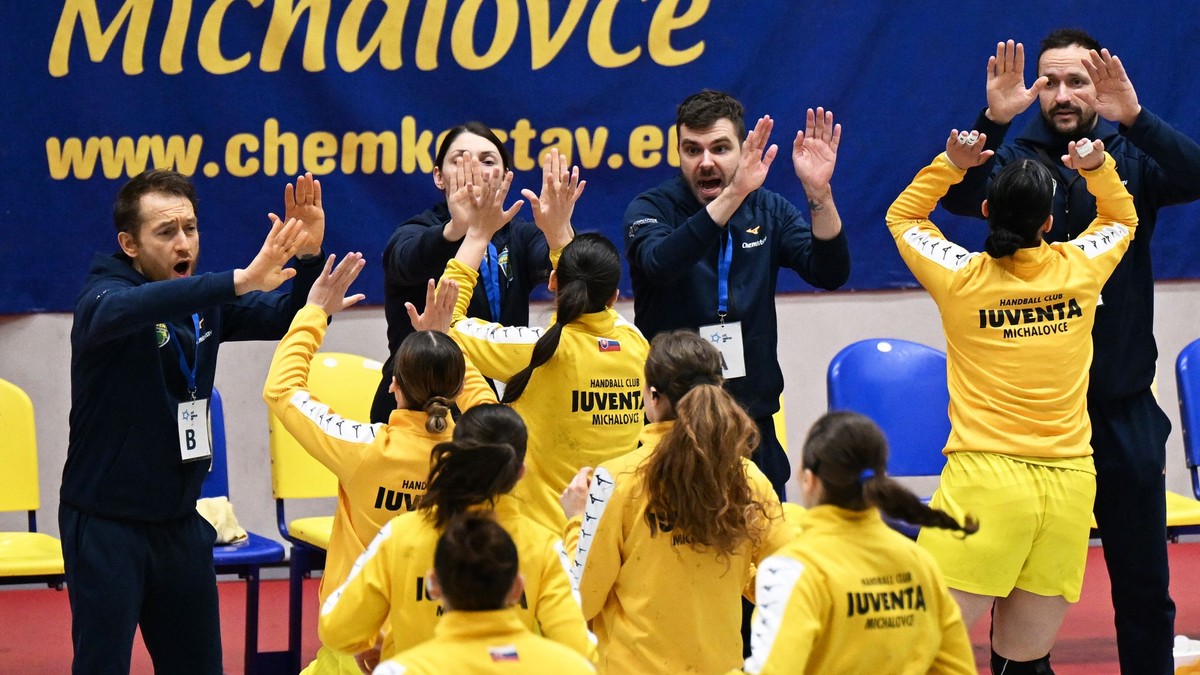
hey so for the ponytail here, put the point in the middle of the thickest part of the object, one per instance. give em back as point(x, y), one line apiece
point(571, 304)
point(438, 410)
point(897, 503)
point(1002, 243)
point(465, 474)
point(696, 480)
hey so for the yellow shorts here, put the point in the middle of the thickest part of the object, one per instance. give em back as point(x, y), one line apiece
point(1034, 521)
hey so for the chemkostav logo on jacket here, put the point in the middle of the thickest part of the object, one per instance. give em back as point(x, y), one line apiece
point(1031, 316)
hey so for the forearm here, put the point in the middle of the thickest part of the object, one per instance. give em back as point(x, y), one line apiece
point(116, 311)
point(823, 214)
point(293, 358)
point(1176, 154)
point(418, 257)
point(1114, 204)
point(919, 199)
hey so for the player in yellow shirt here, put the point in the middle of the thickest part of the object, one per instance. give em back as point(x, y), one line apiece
point(475, 576)
point(850, 595)
point(667, 536)
point(577, 383)
point(1018, 323)
point(388, 587)
point(381, 468)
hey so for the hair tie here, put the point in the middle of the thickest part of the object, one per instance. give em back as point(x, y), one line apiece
point(866, 475)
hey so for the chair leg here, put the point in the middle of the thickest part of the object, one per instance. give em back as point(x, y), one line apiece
point(251, 653)
point(296, 570)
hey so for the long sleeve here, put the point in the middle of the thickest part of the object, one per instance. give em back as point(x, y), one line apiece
point(352, 615)
point(335, 442)
point(665, 253)
point(266, 316)
point(598, 553)
point(934, 261)
point(819, 262)
point(476, 390)
point(498, 351)
point(793, 602)
point(558, 614)
point(1173, 175)
point(1105, 241)
point(418, 250)
point(119, 307)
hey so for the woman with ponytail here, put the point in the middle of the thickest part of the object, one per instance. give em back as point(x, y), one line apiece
point(474, 472)
point(381, 468)
point(1018, 323)
point(850, 595)
point(577, 383)
point(666, 537)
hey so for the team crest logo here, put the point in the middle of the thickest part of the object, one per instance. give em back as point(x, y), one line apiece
point(502, 260)
point(161, 335)
point(607, 345)
point(754, 230)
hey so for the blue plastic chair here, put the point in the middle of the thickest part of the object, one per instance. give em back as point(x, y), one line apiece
point(1183, 513)
point(901, 386)
point(244, 558)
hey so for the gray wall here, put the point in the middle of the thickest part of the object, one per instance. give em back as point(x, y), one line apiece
point(35, 354)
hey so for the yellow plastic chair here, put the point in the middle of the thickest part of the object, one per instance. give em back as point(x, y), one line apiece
point(25, 557)
point(346, 383)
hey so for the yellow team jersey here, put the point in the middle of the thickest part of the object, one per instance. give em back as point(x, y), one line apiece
point(486, 643)
point(388, 587)
point(582, 407)
point(381, 468)
point(852, 596)
point(657, 605)
point(1018, 329)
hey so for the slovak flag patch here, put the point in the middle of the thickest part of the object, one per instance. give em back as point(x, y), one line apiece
point(504, 653)
point(607, 345)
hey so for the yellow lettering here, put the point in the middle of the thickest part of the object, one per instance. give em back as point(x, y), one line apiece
point(273, 144)
point(545, 45)
point(414, 147)
point(673, 146)
point(71, 156)
point(600, 45)
point(521, 134)
point(430, 34)
point(664, 23)
point(462, 35)
point(134, 12)
point(644, 145)
point(238, 167)
point(284, 17)
point(171, 62)
point(391, 26)
point(320, 147)
point(591, 148)
point(376, 149)
point(559, 137)
point(208, 47)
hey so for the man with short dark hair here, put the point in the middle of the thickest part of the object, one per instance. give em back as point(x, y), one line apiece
point(1081, 91)
point(143, 358)
point(705, 247)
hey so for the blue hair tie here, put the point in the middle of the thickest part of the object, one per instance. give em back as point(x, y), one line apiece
point(865, 475)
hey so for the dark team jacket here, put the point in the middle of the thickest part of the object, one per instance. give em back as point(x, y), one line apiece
point(123, 459)
point(417, 252)
point(673, 247)
point(1160, 167)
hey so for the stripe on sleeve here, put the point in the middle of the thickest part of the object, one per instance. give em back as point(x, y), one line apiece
point(774, 583)
point(1102, 240)
point(331, 423)
point(598, 495)
point(494, 332)
point(938, 250)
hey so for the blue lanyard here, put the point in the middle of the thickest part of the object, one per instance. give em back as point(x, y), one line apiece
point(723, 261)
point(491, 280)
point(189, 373)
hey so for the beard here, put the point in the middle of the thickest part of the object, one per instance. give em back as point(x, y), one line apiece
point(1074, 126)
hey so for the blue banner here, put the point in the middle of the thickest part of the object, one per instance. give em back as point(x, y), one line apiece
point(245, 94)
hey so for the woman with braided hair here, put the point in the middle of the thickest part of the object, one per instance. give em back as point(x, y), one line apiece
point(849, 594)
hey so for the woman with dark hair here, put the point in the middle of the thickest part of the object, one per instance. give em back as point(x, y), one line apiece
point(474, 472)
point(381, 468)
point(517, 257)
point(666, 538)
point(475, 577)
point(849, 594)
point(577, 383)
point(1018, 323)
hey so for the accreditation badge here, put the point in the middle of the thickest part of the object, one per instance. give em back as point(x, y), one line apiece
point(195, 439)
point(727, 338)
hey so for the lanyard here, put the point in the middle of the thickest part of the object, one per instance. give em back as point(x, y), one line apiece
point(491, 280)
point(189, 373)
point(723, 261)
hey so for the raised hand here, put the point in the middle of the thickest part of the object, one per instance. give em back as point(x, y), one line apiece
point(439, 307)
point(303, 203)
point(1115, 98)
point(756, 158)
point(965, 149)
point(814, 152)
point(1007, 96)
point(552, 210)
point(329, 290)
point(483, 204)
point(457, 199)
point(1091, 157)
point(266, 272)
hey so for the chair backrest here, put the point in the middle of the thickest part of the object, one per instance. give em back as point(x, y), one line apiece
point(901, 385)
point(18, 451)
point(1187, 378)
point(344, 382)
point(216, 484)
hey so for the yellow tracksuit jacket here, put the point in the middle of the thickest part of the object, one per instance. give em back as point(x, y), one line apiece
point(582, 407)
point(381, 468)
point(850, 595)
point(485, 643)
point(1018, 329)
point(656, 604)
point(387, 586)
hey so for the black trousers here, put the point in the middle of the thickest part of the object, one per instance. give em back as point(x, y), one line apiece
point(1129, 440)
point(125, 574)
point(770, 456)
